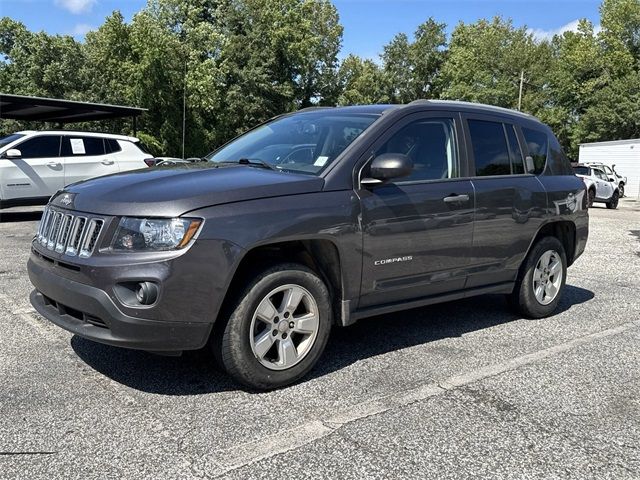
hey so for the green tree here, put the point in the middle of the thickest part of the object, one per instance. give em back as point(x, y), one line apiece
point(485, 61)
point(412, 68)
point(362, 82)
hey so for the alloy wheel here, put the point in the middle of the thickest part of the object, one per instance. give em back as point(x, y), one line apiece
point(547, 277)
point(284, 327)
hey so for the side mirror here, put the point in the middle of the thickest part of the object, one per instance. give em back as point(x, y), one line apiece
point(12, 153)
point(388, 166)
point(531, 167)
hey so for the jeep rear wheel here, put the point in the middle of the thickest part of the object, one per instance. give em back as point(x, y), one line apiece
point(542, 279)
point(278, 328)
point(613, 202)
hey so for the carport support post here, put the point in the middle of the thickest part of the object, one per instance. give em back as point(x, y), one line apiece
point(135, 125)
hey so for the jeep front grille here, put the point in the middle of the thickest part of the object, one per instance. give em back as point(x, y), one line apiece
point(68, 233)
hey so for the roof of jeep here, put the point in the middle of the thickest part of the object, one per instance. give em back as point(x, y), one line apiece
point(436, 104)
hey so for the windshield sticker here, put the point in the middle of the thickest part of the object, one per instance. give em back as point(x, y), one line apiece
point(77, 146)
point(320, 161)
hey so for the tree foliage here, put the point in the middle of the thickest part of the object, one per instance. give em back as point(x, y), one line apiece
point(229, 64)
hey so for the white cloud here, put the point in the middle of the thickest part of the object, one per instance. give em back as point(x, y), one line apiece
point(76, 6)
point(81, 29)
point(540, 34)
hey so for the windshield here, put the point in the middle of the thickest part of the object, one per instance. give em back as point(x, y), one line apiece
point(302, 143)
point(581, 170)
point(10, 138)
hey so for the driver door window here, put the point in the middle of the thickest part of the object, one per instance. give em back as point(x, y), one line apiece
point(430, 144)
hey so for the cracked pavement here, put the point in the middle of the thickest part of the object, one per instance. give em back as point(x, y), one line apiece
point(459, 390)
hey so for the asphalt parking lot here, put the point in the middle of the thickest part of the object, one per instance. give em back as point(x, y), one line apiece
point(460, 390)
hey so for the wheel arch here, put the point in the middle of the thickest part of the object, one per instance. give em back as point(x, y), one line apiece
point(320, 255)
point(563, 230)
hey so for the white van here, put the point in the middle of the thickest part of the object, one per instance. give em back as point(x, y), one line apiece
point(35, 165)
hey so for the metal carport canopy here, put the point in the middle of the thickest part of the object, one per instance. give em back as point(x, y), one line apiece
point(18, 107)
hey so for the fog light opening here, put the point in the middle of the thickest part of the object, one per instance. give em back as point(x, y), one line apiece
point(147, 293)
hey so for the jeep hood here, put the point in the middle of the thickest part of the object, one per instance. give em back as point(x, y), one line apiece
point(173, 191)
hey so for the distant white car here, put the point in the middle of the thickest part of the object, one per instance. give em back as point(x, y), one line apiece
point(613, 175)
point(600, 188)
point(35, 165)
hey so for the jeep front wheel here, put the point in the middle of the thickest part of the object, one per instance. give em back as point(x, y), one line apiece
point(278, 329)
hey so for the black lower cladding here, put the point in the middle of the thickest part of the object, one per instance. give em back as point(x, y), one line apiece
point(90, 313)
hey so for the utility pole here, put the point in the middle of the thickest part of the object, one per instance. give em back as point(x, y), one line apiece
point(521, 87)
point(184, 106)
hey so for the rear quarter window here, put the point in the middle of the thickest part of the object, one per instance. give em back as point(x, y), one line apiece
point(111, 145)
point(538, 146)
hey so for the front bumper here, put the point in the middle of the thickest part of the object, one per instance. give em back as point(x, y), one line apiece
point(89, 312)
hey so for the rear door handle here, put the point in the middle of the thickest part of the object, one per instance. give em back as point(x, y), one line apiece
point(107, 162)
point(456, 199)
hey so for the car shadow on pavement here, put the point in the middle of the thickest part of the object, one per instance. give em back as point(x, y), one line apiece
point(194, 372)
point(12, 217)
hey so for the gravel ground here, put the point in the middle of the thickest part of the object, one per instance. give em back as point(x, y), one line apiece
point(459, 390)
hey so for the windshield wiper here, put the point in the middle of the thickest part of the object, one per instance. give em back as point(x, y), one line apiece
point(256, 162)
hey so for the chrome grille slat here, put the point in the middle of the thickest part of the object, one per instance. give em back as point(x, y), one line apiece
point(90, 236)
point(69, 234)
point(55, 229)
point(43, 222)
point(61, 244)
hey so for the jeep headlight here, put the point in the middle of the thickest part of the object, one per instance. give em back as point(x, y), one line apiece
point(154, 234)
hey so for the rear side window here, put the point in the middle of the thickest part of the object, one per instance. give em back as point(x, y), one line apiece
point(537, 144)
point(490, 149)
point(45, 146)
point(82, 146)
point(430, 144)
point(515, 153)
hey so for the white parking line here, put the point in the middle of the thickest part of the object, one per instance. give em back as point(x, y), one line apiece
point(291, 439)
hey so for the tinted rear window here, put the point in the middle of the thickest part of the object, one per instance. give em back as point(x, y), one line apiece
point(517, 165)
point(581, 170)
point(78, 146)
point(111, 145)
point(490, 149)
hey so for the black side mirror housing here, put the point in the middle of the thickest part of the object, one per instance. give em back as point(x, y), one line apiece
point(388, 166)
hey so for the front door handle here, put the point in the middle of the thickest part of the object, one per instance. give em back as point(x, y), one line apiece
point(53, 164)
point(456, 199)
point(107, 162)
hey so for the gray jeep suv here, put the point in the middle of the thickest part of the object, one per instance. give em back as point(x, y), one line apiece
point(312, 220)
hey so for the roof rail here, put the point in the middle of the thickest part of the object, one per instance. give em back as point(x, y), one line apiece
point(308, 109)
point(473, 104)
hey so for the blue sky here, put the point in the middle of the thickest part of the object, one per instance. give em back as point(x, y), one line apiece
point(368, 24)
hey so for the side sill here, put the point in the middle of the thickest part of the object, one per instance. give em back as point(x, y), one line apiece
point(505, 288)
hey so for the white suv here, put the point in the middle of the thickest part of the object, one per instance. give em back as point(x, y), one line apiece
point(35, 165)
point(612, 174)
point(600, 188)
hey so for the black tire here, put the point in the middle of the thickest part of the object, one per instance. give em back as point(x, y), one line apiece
point(592, 197)
point(613, 202)
point(523, 298)
point(232, 347)
point(621, 190)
